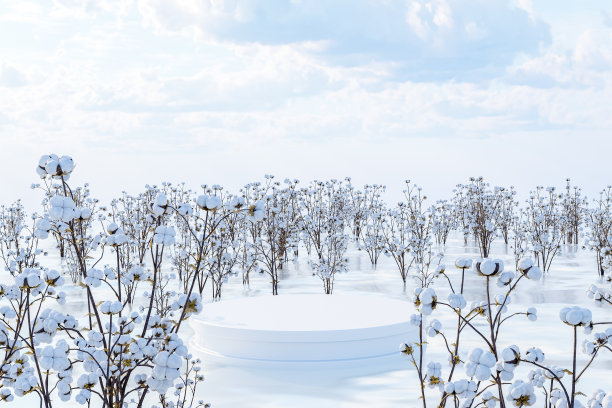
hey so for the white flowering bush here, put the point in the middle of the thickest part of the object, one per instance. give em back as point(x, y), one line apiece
point(490, 370)
point(127, 351)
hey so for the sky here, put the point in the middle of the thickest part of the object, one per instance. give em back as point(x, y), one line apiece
point(226, 91)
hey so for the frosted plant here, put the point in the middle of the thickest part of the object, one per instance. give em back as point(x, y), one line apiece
point(545, 222)
point(18, 242)
point(484, 211)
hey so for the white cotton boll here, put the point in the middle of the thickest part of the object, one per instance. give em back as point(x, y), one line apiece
point(575, 315)
point(161, 200)
point(482, 372)
point(237, 202)
point(487, 267)
point(534, 273)
point(532, 314)
point(525, 263)
point(588, 347)
point(457, 301)
point(511, 353)
point(463, 263)
point(426, 310)
point(434, 328)
point(487, 359)
point(213, 203)
point(449, 388)
point(427, 296)
point(521, 393)
point(66, 164)
point(480, 364)
point(606, 402)
point(500, 265)
point(505, 278)
point(185, 210)
point(534, 355)
point(475, 354)
point(83, 213)
point(51, 167)
point(42, 228)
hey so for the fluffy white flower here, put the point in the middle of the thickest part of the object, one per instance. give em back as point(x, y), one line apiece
point(94, 278)
point(480, 364)
point(536, 377)
point(164, 235)
point(532, 314)
point(208, 203)
point(527, 268)
point(256, 211)
point(160, 205)
point(434, 328)
point(521, 394)
point(55, 166)
point(425, 300)
point(434, 375)
point(463, 263)
point(505, 278)
point(61, 208)
point(463, 389)
point(534, 355)
point(110, 307)
point(42, 228)
point(489, 267)
point(55, 358)
point(457, 301)
point(165, 371)
point(575, 316)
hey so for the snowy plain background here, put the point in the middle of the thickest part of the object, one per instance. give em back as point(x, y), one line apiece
point(391, 381)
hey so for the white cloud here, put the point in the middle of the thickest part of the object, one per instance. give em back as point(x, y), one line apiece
point(429, 34)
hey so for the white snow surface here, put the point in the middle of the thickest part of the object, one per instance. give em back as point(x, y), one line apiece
point(390, 381)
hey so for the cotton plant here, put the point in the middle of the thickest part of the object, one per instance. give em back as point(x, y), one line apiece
point(484, 211)
point(443, 221)
point(545, 220)
point(19, 238)
point(599, 234)
point(397, 233)
point(271, 238)
point(323, 222)
point(372, 239)
point(127, 351)
point(490, 363)
point(574, 207)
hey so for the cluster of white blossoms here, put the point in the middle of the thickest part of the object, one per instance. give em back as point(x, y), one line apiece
point(462, 389)
point(54, 166)
point(511, 357)
point(116, 237)
point(463, 263)
point(576, 316)
point(600, 399)
point(164, 235)
point(527, 268)
point(521, 394)
point(425, 300)
point(480, 364)
point(489, 267)
point(209, 203)
point(62, 208)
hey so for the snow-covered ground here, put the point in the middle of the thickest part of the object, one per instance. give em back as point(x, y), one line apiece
point(391, 381)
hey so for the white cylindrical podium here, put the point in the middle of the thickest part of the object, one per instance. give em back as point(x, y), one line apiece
point(303, 328)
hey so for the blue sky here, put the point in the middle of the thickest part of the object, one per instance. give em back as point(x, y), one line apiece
point(225, 91)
